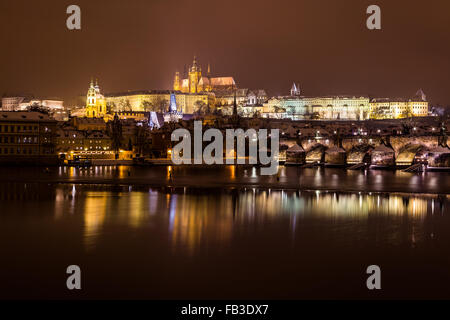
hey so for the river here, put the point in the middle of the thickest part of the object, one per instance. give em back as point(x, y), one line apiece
point(188, 233)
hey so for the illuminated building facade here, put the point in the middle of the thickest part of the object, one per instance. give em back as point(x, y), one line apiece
point(299, 107)
point(88, 124)
point(22, 103)
point(386, 108)
point(195, 82)
point(12, 103)
point(327, 107)
point(95, 102)
point(244, 97)
point(27, 137)
point(158, 101)
point(87, 144)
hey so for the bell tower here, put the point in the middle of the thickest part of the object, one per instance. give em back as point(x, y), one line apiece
point(195, 74)
point(209, 86)
point(91, 100)
point(177, 82)
point(95, 102)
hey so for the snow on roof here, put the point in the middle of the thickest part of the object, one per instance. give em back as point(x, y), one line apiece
point(295, 148)
point(23, 116)
point(383, 148)
point(223, 81)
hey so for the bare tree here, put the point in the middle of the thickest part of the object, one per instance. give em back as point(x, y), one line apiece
point(147, 106)
point(125, 105)
point(116, 135)
point(161, 105)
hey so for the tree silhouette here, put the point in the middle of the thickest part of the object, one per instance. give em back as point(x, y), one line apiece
point(116, 135)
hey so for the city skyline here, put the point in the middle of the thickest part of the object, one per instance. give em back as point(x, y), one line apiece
point(250, 153)
point(142, 44)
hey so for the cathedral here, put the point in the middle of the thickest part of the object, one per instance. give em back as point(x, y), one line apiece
point(196, 82)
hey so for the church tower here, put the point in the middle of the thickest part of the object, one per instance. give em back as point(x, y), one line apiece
point(177, 82)
point(295, 90)
point(95, 102)
point(209, 85)
point(195, 74)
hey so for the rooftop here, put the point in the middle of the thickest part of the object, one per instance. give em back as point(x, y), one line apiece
point(23, 116)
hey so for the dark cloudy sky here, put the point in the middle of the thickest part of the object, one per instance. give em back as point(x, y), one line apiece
point(138, 44)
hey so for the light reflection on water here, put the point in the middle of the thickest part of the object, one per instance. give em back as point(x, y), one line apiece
point(287, 177)
point(196, 220)
point(173, 235)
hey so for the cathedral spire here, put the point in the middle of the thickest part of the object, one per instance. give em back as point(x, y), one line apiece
point(420, 94)
point(209, 70)
point(177, 82)
point(295, 89)
point(195, 67)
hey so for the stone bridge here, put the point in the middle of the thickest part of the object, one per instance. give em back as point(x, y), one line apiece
point(359, 149)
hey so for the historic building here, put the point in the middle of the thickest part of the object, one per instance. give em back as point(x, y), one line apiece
point(27, 137)
point(388, 108)
point(297, 107)
point(157, 100)
point(72, 143)
point(22, 103)
point(12, 103)
point(88, 124)
point(196, 82)
point(244, 97)
point(95, 102)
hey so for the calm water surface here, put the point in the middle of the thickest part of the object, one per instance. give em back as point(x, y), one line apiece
point(226, 233)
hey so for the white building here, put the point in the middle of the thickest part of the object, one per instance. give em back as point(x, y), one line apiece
point(11, 103)
point(23, 103)
point(325, 107)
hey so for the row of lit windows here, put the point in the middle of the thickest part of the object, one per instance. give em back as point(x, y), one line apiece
point(92, 148)
point(81, 141)
point(15, 139)
point(17, 128)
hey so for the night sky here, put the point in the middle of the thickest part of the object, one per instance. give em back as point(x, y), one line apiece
point(139, 44)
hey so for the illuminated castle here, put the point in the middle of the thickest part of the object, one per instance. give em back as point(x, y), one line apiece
point(95, 102)
point(196, 83)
